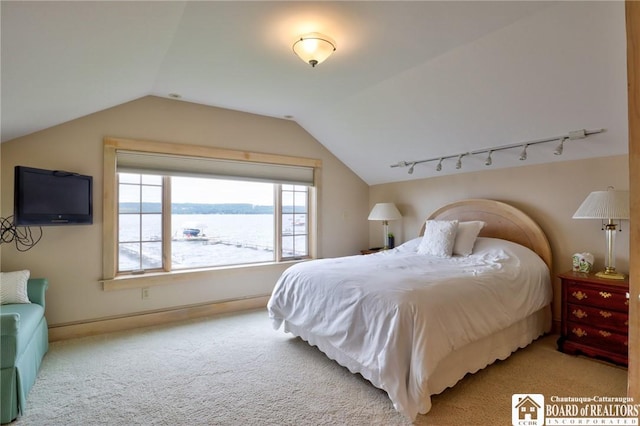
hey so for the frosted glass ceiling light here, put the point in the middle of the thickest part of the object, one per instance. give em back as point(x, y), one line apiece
point(314, 48)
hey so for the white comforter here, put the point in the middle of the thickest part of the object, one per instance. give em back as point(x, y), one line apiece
point(394, 315)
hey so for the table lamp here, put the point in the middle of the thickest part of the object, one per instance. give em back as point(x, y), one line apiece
point(385, 212)
point(609, 206)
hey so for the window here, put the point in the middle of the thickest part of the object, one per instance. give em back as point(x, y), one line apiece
point(139, 222)
point(295, 215)
point(212, 222)
point(179, 212)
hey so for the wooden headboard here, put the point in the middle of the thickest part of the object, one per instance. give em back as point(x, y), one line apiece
point(503, 221)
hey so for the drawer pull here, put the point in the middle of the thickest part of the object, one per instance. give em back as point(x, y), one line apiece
point(579, 295)
point(579, 313)
point(605, 294)
point(626, 322)
point(579, 332)
point(606, 314)
point(604, 333)
point(626, 302)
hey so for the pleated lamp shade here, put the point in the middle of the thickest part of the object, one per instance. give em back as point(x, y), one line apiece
point(609, 204)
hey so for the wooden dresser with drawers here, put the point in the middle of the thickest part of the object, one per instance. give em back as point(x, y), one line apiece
point(595, 317)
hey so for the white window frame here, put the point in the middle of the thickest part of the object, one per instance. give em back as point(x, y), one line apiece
point(110, 204)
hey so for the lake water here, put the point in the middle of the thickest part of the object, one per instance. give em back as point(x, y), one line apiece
point(226, 240)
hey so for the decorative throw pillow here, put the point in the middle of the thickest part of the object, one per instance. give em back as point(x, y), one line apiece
point(439, 238)
point(466, 237)
point(13, 287)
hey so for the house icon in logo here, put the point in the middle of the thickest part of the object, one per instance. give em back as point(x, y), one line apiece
point(527, 408)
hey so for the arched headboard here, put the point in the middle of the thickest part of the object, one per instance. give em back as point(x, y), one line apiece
point(503, 221)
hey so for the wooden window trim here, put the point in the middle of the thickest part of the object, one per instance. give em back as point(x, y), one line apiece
point(110, 214)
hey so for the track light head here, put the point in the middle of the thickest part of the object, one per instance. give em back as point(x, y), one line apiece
point(523, 154)
point(439, 166)
point(488, 161)
point(459, 162)
point(560, 147)
point(411, 168)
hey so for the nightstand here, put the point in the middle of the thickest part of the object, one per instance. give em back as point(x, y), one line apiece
point(595, 316)
point(371, 250)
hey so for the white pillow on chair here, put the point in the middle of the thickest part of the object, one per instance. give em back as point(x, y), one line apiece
point(13, 287)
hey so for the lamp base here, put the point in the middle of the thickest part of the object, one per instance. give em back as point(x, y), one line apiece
point(610, 275)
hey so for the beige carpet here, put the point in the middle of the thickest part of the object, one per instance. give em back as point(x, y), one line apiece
point(235, 370)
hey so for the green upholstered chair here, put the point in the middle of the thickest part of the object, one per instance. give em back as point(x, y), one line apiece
point(24, 339)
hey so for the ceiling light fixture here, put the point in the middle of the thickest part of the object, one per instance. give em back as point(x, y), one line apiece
point(488, 161)
point(560, 147)
point(314, 48)
point(523, 154)
point(459, 162)
point(573, 135)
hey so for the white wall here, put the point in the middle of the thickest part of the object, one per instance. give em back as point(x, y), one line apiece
point(71, 256)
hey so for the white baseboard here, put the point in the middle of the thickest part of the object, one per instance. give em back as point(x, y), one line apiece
point(108, 325)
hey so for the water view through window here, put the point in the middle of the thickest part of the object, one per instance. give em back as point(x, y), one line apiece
point(213, 222)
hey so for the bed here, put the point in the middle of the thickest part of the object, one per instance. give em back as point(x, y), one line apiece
point(414, 324)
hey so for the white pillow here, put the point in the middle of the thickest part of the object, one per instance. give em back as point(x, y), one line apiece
point(466, 237)
point(13, 287)
point(439, 238)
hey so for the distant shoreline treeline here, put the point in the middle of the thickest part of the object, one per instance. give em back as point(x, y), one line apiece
point(196, 208)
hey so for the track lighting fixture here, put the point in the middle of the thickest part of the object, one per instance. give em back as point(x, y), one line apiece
point(560, 147)
point(523, 154)
point(488, 161)
point(573, 135)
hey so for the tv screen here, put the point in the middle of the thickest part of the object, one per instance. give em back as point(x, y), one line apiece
point(52, 197)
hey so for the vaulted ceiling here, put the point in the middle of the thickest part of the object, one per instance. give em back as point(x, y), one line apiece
point(408, 81)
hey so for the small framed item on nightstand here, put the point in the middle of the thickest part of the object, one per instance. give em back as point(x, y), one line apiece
point(595, 317)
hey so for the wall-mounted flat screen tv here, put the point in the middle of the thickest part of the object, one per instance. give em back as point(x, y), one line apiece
point(52, 197)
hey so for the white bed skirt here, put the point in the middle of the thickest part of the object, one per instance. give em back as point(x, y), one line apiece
point(468, 359)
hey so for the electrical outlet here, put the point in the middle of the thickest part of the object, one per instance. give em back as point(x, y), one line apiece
point(145, 293)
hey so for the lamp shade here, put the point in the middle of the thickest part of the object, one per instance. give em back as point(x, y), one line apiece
point(609, 204)
point(384, 211)
point(314, 48)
